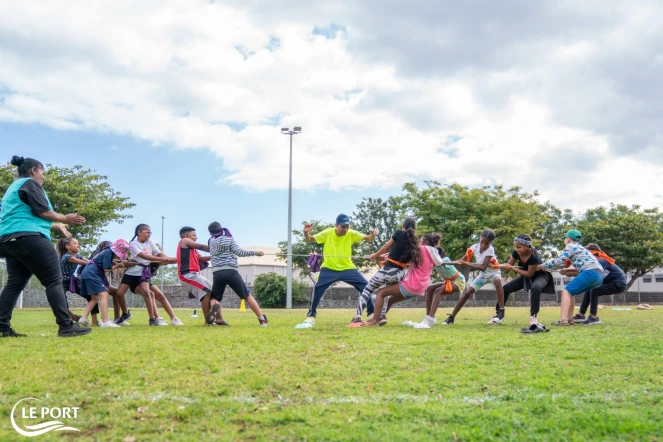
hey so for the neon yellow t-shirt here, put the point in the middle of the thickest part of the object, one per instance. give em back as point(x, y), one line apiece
point(338, 246)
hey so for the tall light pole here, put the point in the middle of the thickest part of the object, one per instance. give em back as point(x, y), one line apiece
point(162, 220)
point(288, 296)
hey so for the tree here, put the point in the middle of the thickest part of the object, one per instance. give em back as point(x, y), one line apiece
point(631, 235)
point(301, 250)
point(384, 215)
point(460, 214)
point(270, 290)
point(82, 191)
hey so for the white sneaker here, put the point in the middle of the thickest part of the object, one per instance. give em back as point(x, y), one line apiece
point(108, 324)
point(421, 325)
point(176, 321)
point(84, 321)
point(310, 320)
point(496, 320)
point(162, 322)
point(429, 320)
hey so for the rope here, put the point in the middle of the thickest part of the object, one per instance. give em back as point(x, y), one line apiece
point(324, 256)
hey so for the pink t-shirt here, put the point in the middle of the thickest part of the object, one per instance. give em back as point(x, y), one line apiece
point(416, 279)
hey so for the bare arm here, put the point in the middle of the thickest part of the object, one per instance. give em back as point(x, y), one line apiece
point(75, 260)
point(194, 245)
point(371, 236)
point(385, 248)
point(481, 267)
point(531, 270)
point(71, 218)
point(307, 236)
point(155, 258)
point(204, 258)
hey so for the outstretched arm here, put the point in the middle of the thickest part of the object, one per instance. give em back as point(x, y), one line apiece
point(384, 249)
point(371, 237)
point(307, 233)
point(194, 245)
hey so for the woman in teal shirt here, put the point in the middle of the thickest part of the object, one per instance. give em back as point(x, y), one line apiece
point(26, 220)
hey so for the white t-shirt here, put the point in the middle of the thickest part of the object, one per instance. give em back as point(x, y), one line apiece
point(479, 257)
point(148, 248)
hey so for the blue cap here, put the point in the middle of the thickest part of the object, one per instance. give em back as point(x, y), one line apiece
point(343, 220)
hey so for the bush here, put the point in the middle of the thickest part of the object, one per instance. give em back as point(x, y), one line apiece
point(270, 290)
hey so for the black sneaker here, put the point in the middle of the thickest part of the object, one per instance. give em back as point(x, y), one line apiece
point(592, 321)
point(12, 334)
point(122, 319)
point(153, 322)
point(211, 316)
point(73, 330)
point(448, 321)
point(578, 318)
point(263, 321)
point(127, 315)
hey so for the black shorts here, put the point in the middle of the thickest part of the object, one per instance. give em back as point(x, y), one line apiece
point(134, 281)
point(232, 278)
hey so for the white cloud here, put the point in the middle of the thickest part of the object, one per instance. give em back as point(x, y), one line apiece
point(205, 75)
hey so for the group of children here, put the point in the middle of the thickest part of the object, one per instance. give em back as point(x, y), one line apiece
point(408, 265)
point(141, 258)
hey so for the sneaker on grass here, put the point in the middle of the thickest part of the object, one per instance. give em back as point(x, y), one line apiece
point(429, 320)
point(11, 333)
point(84, 321)
point(383, 320)
point(122, 320)
point(578, 318)
point(592, 320)
point(176, 321)
point(73, 330)
point(308, 323)
point(161, 322)
point(355, 323)
point(448, 321)
point(109, 324)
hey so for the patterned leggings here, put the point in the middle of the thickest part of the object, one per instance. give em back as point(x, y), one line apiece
point(385, 276)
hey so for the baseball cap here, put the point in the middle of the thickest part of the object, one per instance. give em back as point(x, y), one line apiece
point(574, 235)
point(343, 220)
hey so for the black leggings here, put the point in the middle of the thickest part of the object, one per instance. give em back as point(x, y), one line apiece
point(27, 256)
point(539, 282)
point(232, 278)
point(611, 288)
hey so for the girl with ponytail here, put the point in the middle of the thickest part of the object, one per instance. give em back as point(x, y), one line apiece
point(70, 259)
point(528, 279)
point(403, 248)
point(139, 278)
point(416, 280)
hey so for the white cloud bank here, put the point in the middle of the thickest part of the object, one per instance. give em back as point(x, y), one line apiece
point(534, 110)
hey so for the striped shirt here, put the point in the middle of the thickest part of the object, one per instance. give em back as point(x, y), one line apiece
point(224, 251)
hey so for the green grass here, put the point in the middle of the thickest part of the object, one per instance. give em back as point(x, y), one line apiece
point(471, 381)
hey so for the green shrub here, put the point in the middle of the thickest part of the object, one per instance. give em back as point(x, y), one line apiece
point(270, 290)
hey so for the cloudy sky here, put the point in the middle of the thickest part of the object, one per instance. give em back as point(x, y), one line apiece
point(180, 102)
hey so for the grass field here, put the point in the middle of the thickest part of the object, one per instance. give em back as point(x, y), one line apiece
point(471, 381)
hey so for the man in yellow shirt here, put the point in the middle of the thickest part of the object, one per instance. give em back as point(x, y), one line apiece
point(338, 266)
